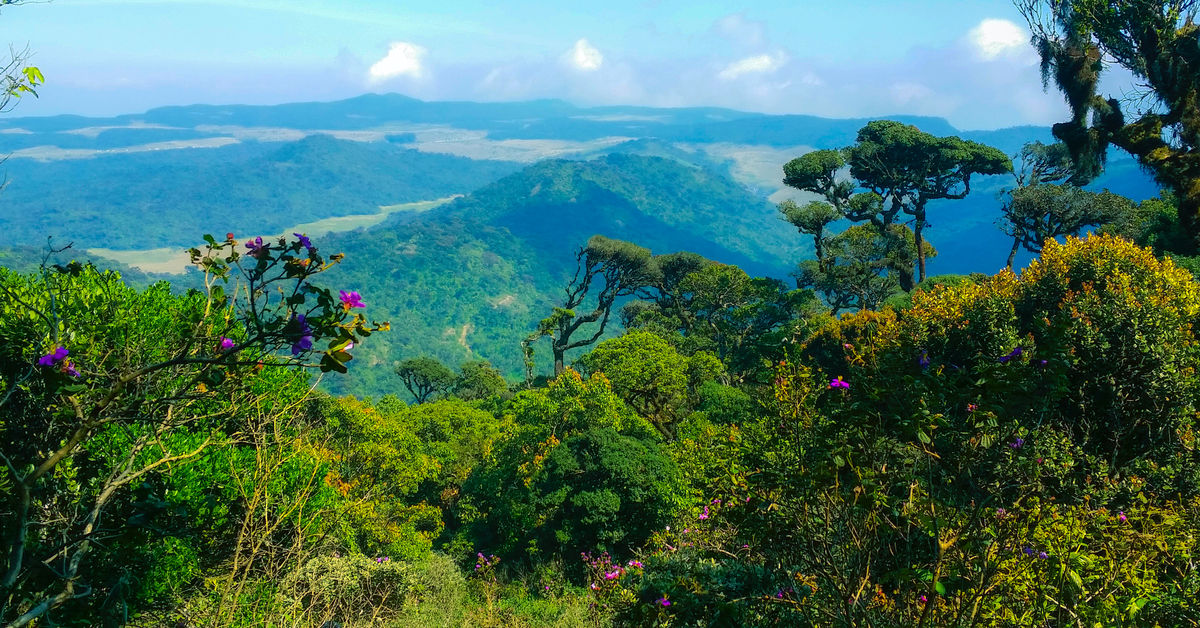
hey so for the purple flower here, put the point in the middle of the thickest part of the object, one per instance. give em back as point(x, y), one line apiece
point(1121, 516)
point(257, 248)
point(839, 383)
point(304, 344)
point(663, 601)
point(302, 321)
point(1042, 363)
point(1015, 353)
point(779, 594)
point(350, 299)
point(1000, 512)
point(70, 369)
point(704, 515)
point(1017, 443)
point(922, 599)
point(57, 355)
point(924, 360)
point(1043, 555)
point(304, 241)
point(1027, 550)
point(226, 344)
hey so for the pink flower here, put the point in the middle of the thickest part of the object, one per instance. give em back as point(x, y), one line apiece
point(839, 383)
point(226, 344)
point(350, 299)
point(663, 601)
point(704, 515)
point(1121, 516)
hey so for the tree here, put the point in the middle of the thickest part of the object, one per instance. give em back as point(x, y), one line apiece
point(479, 380)
point(1045, 211)
point(651, 376)
point(907, 168)
point(425, 377)
point(861, 267)
point(605, 270)
point(1160, 125)
point(900, 170)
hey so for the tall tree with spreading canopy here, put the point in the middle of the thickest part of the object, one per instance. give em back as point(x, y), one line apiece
point(425, 377)
point(606, 270)
point(1046, 211)
point(1041, 207)
point(907, 168)
point(898, 169)
point(1155, 41)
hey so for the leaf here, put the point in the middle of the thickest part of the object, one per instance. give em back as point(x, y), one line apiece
point(939, 588)
point(923, 437)
point(1075, 579)
point(328, 363)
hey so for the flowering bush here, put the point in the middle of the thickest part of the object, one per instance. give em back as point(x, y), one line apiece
point(116, 389)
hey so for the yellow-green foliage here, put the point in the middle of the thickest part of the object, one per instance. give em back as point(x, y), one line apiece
point(1096, 339)
point(380, 462)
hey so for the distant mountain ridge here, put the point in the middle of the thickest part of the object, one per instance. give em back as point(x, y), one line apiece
point(538, 119)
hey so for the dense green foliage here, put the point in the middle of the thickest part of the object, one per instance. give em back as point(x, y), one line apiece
point(987, 450)
point(704, 447)
point(473, 278)
point(143, 200)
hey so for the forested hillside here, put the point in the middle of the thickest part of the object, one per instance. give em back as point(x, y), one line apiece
point(154, 199)
point(471, 278)
point(534, 365)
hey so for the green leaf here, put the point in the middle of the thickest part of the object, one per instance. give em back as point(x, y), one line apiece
point(939, 588)
point(923, 437)
point(1075, 579)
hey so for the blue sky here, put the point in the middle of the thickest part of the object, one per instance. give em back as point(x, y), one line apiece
point(966, 60)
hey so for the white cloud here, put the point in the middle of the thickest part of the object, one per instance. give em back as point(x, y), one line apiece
point(757, 64)
point(402, 59)
point(994, 37)
point(584, 56)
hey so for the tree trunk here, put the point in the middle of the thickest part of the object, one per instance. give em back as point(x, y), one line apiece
point(1012, 255)
point(559, 365)
point(918, 228)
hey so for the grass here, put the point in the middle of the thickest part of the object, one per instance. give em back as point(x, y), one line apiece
point(175, 261)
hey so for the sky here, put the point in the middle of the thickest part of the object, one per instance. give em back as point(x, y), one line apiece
point(968, 61)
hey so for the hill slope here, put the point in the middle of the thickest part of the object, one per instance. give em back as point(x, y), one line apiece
point(471, 278)
point(167, 198)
